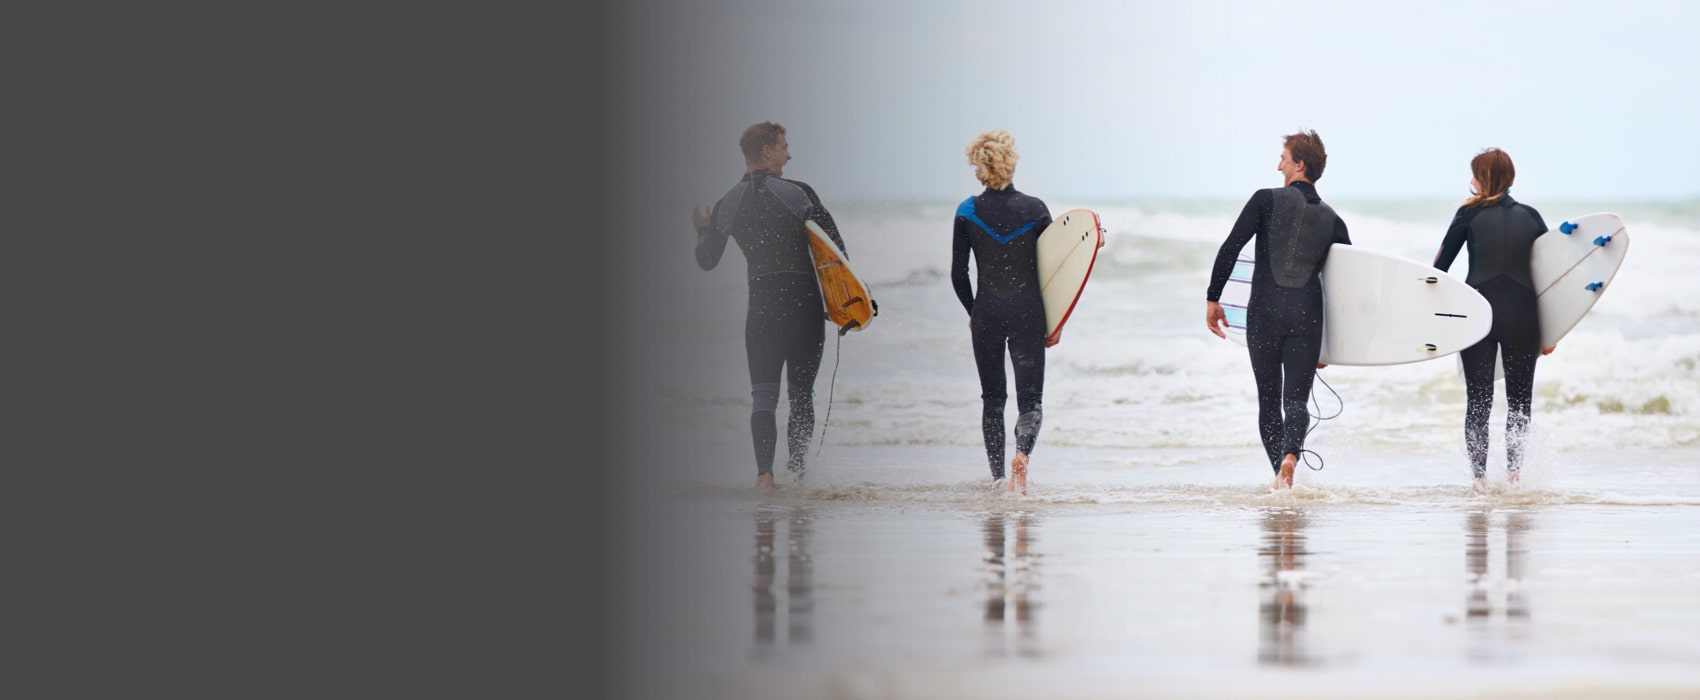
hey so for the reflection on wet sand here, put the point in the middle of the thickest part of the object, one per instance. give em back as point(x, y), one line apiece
point(1281, 633)
point(1011, 578)
point(799, 576)
point(1498, 601)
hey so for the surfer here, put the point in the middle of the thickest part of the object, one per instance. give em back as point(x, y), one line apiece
point(785, 328)
point(1294, 229)
point(1001, 227)
point(1500, 233)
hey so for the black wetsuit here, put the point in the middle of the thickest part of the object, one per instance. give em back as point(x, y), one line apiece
point(1002, 228)
point(1500, 236)
point(1284, 315)
point(785, 328)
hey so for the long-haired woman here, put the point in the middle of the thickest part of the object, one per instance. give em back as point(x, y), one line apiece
point(1500, 233)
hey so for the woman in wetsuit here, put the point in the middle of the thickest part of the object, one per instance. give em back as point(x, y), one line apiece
point(1001, 227)
point(1500, 233)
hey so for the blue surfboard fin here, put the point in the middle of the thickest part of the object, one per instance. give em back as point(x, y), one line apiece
point(1566, 227)
point(1602, 240)
point(1595, 286)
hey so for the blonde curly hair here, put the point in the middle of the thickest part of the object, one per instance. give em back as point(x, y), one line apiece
point(993, 156)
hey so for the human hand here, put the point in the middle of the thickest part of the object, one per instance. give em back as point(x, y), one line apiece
point(700, 220)
point(1548, 351)
point(1213, 315)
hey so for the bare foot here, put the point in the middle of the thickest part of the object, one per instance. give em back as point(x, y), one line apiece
point(1018, 473)
point(1284, 480)
point(998, 483)
point(1514, 478)
point(764, 483)
point(1480, 486)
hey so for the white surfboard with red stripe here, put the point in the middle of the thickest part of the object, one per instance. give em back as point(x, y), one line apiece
point(1067, 249)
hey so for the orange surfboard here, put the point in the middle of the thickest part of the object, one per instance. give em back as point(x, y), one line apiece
point(848, 303)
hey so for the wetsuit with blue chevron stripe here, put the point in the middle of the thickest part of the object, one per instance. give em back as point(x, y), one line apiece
point(1001, 228)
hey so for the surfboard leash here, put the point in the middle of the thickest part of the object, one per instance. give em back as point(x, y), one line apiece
point(1317, 416)
point(837, 353)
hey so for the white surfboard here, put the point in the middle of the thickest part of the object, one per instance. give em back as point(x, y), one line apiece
point(1066, 249)
point(1378, 309)
point(1571, 266)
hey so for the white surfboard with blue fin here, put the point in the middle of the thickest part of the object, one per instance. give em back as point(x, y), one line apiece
point(1571, 266)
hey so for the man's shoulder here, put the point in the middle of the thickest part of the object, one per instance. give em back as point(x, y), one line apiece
point(742, 183)
point(799, 183)
point(1266, 195)
point(1296, 194)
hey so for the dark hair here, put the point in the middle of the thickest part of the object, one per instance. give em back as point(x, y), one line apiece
point(758, 136)
point(1494, 172)
point(1307, 148)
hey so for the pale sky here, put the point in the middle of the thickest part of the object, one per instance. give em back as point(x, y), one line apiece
point(1141, 100)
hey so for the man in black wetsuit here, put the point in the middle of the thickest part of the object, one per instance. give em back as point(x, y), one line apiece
point(785, 328)
point(1294, 229)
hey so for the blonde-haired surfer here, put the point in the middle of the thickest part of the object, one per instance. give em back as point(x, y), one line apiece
point(1001, 228)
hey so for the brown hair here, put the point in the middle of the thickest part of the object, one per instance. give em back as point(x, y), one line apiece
point(1494, 172)
point(1307, 148)
point(758, 136)
point(992, 153)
